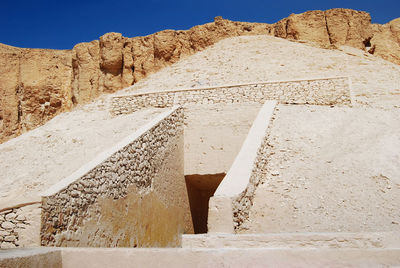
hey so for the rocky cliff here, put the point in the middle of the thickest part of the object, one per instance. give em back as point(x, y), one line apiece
point(37, 84)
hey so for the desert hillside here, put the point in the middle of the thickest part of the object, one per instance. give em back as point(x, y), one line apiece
point(73, 138)
point(37, 84)
point(375, 82)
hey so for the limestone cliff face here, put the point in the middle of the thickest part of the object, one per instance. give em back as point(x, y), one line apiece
point(37, 84)
point(385, 42)
point(331, 27)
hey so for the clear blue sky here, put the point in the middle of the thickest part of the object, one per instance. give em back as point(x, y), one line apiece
point(62, 24)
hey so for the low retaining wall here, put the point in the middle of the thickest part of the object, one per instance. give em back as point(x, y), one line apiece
point(233, 197)
point(31, 257)
point(308, 240)
point(133, 195)
point(11, 221)
point(19, 225)
point(326, 91)
point(230, 257)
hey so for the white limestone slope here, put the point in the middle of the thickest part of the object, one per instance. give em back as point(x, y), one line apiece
point(376, 82)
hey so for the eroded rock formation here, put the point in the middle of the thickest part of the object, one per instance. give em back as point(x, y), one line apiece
point(385, 42)
point(331, 27)
point(37, 84)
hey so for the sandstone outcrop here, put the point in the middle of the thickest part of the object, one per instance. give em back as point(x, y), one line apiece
point(331, 27)
point(37, 84)
point(385, 42)
point(34, 86)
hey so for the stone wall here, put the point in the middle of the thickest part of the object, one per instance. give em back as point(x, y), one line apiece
point(31, 257)
point(19, 225)
point(10, 223)
point(286, 250)
point(133, 195)
point(326, 91)
point(233, 197)
point(241, 204)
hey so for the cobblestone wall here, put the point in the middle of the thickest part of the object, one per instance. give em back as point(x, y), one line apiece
point(135, 197)
point(11, 221)
point(241, 205)
point(329, 91)
point(19, 226)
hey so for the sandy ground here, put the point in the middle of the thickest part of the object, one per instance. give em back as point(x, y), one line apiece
point(34, 161)
point(331, 170)
point(376, 82)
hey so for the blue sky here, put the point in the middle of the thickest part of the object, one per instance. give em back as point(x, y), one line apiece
point(62, 24)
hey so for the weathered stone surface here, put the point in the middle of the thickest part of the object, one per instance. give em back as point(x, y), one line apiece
point(7, 225)
point(310, 26)
point(10, 238)
point(20, 218)
point(348, 27)
point(10, 118)
point(86, 72)
point(7, 245)
point(44, 85)
point(330, 91)
point(11, 216)
point(385, 42)
point(12, 221)
point(4, 233)
point(111, 60)
point(337, 26)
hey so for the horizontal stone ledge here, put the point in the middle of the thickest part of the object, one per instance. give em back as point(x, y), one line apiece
point(367, 240)
point(227, 86)
point(20, 205)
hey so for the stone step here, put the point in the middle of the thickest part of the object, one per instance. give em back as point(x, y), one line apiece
point(370, 240)
point(211, 257)
point(200, 257)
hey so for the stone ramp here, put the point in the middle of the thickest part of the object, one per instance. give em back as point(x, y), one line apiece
point(373, 240)
point(30, 257)
point(228, 250)
point(211, 257)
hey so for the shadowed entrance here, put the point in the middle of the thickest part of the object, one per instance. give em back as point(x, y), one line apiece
point(200, 188)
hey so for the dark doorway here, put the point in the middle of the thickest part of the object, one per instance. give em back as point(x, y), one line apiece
point(200, 188)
